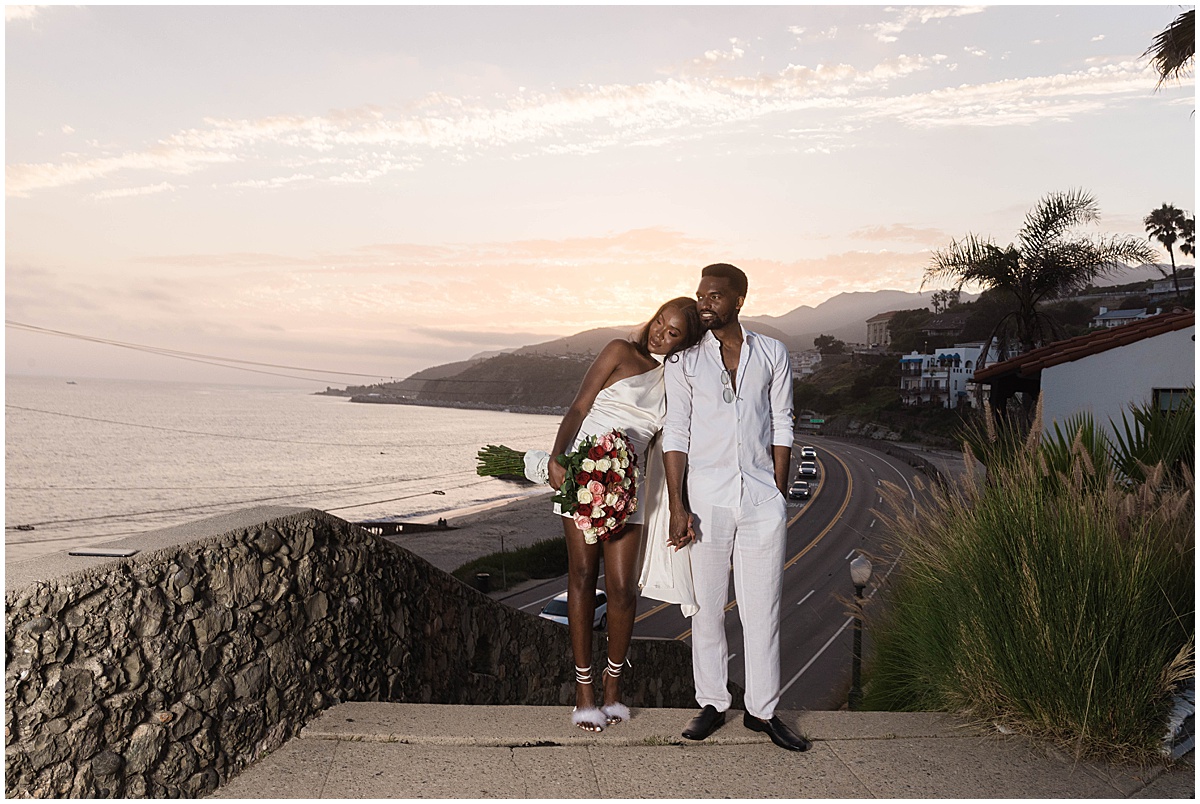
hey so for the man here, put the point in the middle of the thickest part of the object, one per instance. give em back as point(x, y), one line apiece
point(729, 431)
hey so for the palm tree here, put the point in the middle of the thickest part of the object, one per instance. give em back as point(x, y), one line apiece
point(1168, 225)
point(1174, 49)
point(1048, 261)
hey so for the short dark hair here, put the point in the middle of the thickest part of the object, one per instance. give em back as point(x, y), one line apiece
point(730, 272)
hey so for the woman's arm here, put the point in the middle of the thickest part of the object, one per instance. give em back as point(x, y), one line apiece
point(610, 357)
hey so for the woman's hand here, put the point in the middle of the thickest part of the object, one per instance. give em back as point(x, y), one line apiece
point(681, 533)
point(557, 473)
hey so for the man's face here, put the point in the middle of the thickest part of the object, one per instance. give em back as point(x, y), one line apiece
point(716, 302)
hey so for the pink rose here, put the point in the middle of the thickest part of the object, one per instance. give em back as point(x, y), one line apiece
point(597, 489)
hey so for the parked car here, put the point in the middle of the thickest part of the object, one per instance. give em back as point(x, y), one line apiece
point(800, 490)
point(808, 453)
point(807, 469)
point(556, 610)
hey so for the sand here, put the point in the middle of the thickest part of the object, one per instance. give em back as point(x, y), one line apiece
point(519, 523)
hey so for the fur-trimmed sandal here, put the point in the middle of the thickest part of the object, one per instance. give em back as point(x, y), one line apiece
point(589, 718)
point(615, 712)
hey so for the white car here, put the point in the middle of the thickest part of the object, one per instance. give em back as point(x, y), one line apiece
point(800, 490)
point(807, 469)
point(807, 453)
point(556, 610)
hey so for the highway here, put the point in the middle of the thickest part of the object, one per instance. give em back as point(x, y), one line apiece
point(824, 533)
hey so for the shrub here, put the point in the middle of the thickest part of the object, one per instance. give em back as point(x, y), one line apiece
point(1056, 596)
point(544, 559)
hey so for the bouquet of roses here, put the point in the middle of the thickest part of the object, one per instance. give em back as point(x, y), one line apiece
point(600, 488)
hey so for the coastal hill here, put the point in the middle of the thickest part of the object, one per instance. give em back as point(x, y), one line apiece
point(544, 377)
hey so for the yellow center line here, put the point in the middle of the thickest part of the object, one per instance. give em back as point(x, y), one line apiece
point(820, 536)
point(652, 612)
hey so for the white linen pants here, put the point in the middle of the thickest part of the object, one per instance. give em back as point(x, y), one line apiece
point(755, 536)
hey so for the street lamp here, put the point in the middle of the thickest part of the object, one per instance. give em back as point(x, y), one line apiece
point(860, 576)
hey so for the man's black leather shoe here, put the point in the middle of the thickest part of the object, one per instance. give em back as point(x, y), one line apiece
point(705, 723)
point(779, 733)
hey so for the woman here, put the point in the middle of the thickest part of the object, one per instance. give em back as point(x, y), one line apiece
point(622, 389)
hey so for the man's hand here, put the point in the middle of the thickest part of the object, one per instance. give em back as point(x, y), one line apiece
point(681, 532)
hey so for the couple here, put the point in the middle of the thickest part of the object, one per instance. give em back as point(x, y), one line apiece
point(722, 397)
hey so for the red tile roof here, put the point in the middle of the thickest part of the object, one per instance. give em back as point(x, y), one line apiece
point(1093, 343)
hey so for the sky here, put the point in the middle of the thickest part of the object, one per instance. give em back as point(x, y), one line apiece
point(375, 190)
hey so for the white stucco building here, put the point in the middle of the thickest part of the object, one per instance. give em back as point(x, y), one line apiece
point(1150, 360)
point(940, 378)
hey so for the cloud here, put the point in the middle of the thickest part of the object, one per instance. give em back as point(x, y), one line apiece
point(1018, 101)
point(1098, 38)
point(12, 13)
point(367, 144)
point(901, 232)
point(22, 179)
point(908, 17)
point(161, 187)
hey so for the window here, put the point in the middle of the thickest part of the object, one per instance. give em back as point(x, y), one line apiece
point(1170, 398)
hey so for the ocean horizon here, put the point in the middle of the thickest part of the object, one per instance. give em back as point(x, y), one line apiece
point(88, 460)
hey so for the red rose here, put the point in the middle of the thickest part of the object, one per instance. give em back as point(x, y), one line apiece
point(582, 479)
point(596, 453)
point(585, 510)
point(612, 477)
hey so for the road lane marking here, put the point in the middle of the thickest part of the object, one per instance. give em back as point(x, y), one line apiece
point(652, 612)
point(806, 597)
point(820, 536)
point(836, 517)
point(872, 524)
point(850, 555)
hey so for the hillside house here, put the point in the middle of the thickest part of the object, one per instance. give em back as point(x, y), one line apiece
point(1102, 372)
point(941, 378)
point(1108, 319)
point(804, 362)
point(878, 332)
point(948, 324)
point(1166, 287)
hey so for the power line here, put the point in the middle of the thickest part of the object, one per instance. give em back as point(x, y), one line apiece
point(197, 357)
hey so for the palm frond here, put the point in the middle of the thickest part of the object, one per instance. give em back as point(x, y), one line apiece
point(1174, 48)
point(1054, 216)
point(1150, 437)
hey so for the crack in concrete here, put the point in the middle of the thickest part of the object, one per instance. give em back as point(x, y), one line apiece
point(337, 744)
point(512, 757)
point(844, 764)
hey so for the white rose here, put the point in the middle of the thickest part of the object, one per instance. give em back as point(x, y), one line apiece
point(610, 523)
point(610, 499)
point(583, 496)
point(619, 443)
point(603, 464)
point(597, 512)
point(589, 536)
point(626, 483)
point(588, 465)
point(620, 470)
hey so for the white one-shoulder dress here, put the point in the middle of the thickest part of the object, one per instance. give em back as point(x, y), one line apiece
point(638, 405)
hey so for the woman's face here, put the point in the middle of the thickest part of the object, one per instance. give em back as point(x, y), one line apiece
point(666, 331)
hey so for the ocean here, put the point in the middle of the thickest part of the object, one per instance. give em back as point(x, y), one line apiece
point(91, 460)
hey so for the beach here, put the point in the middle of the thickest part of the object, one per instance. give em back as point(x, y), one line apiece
point(519, 523)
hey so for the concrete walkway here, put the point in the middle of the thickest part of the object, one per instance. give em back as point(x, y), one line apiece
point(386, 750)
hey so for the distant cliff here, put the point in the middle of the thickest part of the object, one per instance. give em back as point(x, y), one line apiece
point(521, 382)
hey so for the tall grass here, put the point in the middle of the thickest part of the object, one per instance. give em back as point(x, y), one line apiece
point(1056, 596)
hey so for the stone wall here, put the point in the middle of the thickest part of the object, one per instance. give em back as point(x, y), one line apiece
point(166, 673)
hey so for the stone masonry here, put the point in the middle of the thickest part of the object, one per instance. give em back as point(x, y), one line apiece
point(166, 673)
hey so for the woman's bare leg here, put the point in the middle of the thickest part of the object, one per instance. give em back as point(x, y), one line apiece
point(583, 568)
point(620, 584)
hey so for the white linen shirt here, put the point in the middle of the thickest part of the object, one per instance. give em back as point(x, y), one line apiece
point(728, 444)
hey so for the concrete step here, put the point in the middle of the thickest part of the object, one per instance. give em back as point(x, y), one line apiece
point(392, 750)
